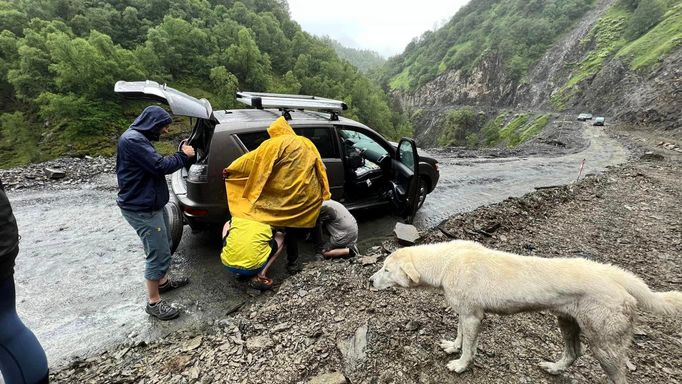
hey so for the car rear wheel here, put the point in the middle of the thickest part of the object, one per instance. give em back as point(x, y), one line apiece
point(175, 224)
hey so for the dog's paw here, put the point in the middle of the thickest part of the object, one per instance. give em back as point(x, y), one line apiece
point(449, 346)
point(458, 366)
point(551, 368)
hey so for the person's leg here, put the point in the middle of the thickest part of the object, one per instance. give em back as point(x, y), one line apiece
point(293, 236)
point(22, 358)
point(150, 227)
point(291, 243)
point(279, 241)
point(165, 283)
point(338, 252)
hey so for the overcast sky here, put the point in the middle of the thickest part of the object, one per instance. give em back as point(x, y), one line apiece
point(383, 26)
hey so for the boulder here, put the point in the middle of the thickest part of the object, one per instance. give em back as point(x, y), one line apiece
point(407, 234)
point(54, 173)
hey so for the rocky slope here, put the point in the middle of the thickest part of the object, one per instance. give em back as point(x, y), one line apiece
point(588, 69)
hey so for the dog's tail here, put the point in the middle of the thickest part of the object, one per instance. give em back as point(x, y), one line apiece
point(667, 303)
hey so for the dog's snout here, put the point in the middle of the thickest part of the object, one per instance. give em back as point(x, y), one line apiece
point(371, 279)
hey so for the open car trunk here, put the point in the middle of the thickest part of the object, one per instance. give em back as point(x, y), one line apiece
point(199, 111)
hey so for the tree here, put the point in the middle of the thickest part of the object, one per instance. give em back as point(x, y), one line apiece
point(181, 48)
point(245, 60)
point(647, 14)
point(225, 85)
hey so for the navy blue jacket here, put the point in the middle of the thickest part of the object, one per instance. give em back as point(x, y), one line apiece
point(9, 237)
point(139, 168)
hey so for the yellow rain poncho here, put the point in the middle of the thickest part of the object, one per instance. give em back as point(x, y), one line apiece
point(281, 183)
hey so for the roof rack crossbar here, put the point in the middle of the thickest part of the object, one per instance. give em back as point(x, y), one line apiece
point(261, 100)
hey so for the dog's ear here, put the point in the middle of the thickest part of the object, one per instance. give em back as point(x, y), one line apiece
point(408, 267)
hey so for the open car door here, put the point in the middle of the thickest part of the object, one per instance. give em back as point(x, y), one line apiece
point(403, 195)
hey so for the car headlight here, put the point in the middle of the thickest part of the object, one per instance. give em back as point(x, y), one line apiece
point(198, 173)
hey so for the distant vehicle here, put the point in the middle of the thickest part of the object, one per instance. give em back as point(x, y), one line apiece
point(584, 116)
point(598, 121)
point(364, 169)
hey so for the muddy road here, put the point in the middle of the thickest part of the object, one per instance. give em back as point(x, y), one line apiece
point(79, 274)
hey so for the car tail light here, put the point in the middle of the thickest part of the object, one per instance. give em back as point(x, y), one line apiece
point(198, 173)
point(195, 211)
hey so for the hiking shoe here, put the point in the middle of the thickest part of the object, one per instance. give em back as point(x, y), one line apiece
point(173, 283)
point(162, 310)
point(294, 267)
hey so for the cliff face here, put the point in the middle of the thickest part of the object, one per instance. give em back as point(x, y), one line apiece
point(649, 96)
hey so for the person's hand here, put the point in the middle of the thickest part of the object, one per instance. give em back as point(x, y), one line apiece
point(187, 150)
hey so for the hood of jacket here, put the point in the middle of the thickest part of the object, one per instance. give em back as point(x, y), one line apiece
point(280, 127)
point(150, 122)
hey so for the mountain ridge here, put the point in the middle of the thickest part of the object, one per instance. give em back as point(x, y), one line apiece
point(592, 67)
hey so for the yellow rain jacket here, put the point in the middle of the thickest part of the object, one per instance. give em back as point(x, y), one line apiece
point(281, 183)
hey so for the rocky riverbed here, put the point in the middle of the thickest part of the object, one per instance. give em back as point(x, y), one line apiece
point(326, 325)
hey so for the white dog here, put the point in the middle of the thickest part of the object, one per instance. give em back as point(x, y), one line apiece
point(597, 299)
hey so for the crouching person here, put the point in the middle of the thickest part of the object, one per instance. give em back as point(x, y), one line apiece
point(342, 228)
point(249, 249)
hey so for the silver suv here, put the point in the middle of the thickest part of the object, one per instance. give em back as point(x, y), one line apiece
point(364, 169)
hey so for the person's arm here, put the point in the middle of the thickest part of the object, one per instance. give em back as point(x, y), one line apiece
point(151, 161)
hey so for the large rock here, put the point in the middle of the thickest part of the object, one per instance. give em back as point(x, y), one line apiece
point(407, 234)
point(258, 343)
point(54, 173)
point(353, 348)
point(329, 378)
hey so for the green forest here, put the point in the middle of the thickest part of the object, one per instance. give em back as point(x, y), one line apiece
point(365, 60)
point(59, 60)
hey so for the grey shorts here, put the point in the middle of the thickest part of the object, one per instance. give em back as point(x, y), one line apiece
point(153, 230)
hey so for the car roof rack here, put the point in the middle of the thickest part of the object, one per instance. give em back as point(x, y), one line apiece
point(287, 103)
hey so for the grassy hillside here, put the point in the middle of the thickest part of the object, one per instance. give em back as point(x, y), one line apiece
point(518, 32)
point(59, 60)
point(639, 38)
point(465, 127)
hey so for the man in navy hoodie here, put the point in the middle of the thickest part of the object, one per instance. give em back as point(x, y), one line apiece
point(143, 193)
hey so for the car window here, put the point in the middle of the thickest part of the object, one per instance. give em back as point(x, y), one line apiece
point(361, 141)
point(252, 140)
point(321, 137)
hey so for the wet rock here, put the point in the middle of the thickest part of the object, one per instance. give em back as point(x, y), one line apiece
point(258, 343)
point(353, 348)
point(650, 156)
point(412, 325)
point(192, 344)
point(368, 260)
point(405, 233)
point(280, 327)
point(54, 173)
point(329, 378)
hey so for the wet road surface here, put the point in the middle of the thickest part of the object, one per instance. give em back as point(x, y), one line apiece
point(79, 273)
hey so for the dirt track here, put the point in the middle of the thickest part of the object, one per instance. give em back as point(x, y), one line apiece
point(631, 216)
